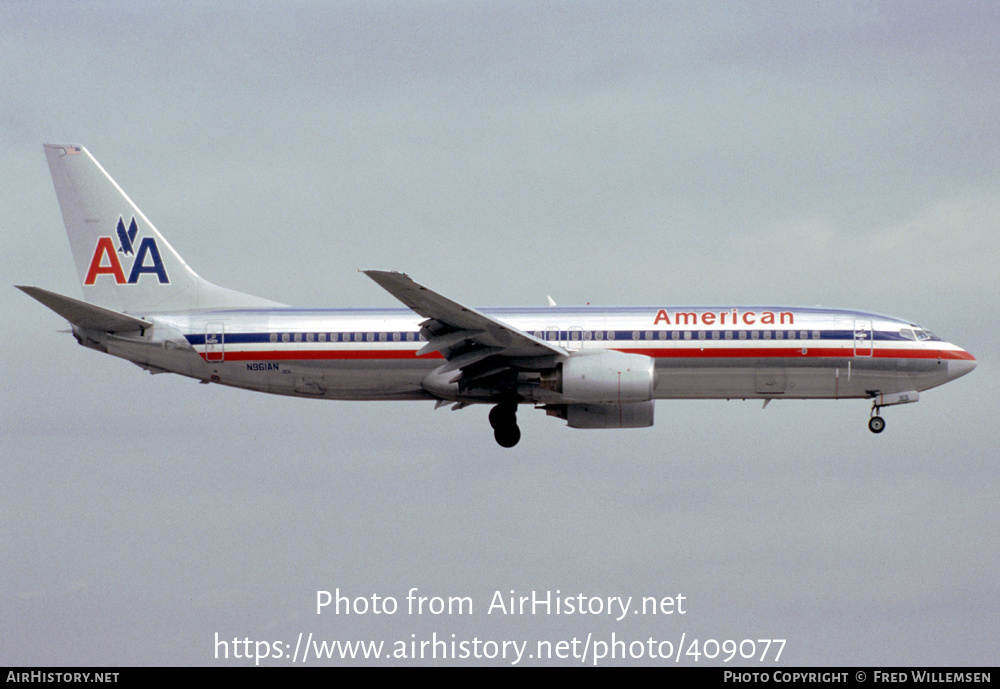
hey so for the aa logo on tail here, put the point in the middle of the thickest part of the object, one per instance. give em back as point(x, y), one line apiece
point(126, 238)
point(146, 258)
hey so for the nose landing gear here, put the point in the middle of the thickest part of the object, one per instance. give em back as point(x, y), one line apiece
point(503, 418)
point(876, 424)
point(884, 399)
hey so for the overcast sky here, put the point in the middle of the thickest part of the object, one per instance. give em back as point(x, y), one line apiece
point(843, 154)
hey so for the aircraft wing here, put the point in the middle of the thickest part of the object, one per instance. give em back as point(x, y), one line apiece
point(85, 315)
point(480, 346)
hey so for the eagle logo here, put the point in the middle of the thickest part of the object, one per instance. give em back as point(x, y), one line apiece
point(127, 237)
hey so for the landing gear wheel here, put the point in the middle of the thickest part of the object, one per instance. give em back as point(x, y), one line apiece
point(504, 414)
point(507, 436)
point(876, 424)
point(503, 418)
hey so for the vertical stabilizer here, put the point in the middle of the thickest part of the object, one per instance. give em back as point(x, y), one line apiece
point(123, 262)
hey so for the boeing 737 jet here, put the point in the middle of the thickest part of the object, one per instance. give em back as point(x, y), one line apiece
point(594, 367)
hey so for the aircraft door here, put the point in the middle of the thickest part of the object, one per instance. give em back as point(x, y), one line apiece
point(215, 338)
point(570, 339)
point(864, 337)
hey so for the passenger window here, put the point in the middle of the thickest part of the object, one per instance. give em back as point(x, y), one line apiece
point(274, 337)
point(815, 334)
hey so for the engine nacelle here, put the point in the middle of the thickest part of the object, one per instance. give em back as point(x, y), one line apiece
point(602, 377)
point(625, 415)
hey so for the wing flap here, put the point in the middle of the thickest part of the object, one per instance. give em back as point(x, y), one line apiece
point(449, 340)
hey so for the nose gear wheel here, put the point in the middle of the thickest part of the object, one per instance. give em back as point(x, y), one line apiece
point(876, 424)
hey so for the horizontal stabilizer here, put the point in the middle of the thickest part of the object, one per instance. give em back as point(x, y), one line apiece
point(85, 315)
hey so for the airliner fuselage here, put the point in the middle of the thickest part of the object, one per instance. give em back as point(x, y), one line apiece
point(372, 354)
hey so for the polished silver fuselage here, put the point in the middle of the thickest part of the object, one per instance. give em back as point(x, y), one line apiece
point(699, 353)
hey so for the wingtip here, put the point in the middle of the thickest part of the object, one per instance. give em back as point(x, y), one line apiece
point(373, 273)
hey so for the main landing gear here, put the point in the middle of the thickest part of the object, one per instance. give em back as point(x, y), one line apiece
point(876, 424)
point(503, 418)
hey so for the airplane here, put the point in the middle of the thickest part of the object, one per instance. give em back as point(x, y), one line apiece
point(593, 367)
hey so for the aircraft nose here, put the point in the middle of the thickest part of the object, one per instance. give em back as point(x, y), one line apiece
point(959, 367)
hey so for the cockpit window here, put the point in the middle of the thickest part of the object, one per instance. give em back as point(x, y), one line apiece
point(924, 334)
point(907, 333)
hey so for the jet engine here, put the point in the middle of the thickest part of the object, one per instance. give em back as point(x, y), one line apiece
point(623, 415)
point(602, 377)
